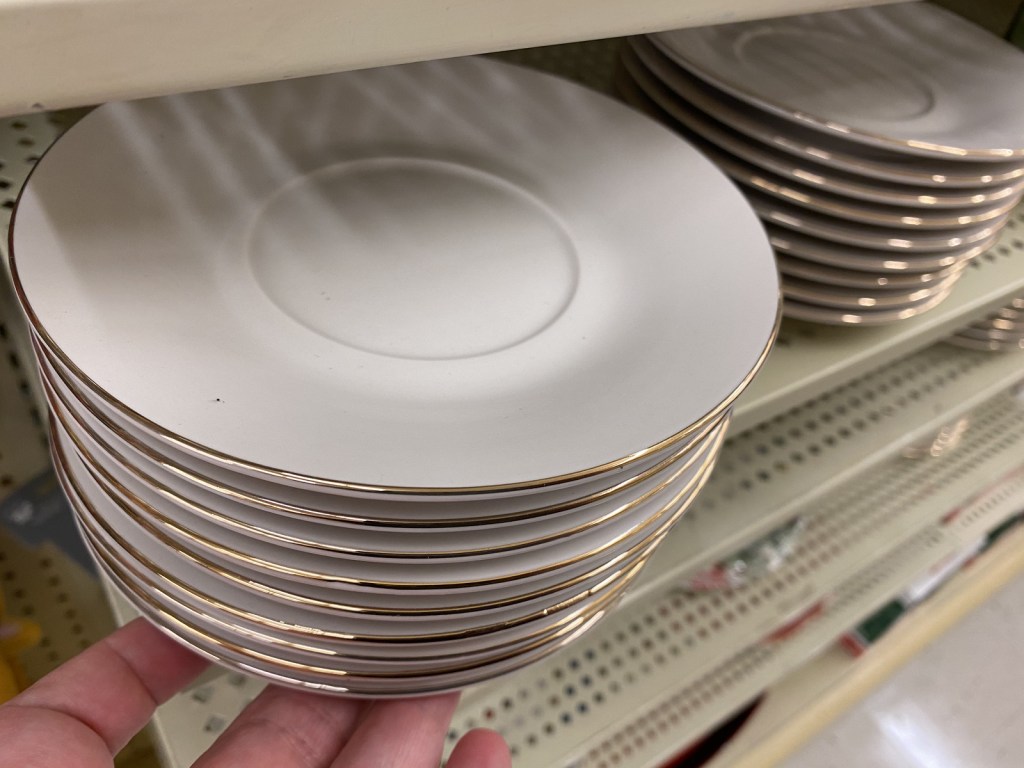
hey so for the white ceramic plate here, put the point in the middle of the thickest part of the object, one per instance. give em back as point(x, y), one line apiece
point(831, 150)
point(350, 541)
point(457, 276)
point(790, 216)
point(392, 515)
point(803, 171)
point(820, 200)
point(792, 266)
point(370, 636)
point(857, 299)
point(873, 260)
point(831, 316)
point(229, 548)
point(908, 76)
point(986, 345)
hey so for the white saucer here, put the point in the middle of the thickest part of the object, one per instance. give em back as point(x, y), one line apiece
point(805, 172)
point(831, 150)
point(450, 277)
point(909, 76)
point(816, 224)
point(871, 260)
point(794, 266)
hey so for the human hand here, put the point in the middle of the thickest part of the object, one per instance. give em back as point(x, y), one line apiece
point(84, 712)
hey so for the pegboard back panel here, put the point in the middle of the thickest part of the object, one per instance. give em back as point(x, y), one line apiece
point(768, 473)
point(650, 739)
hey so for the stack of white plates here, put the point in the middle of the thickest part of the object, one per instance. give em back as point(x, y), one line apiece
point(390, 381)
point(882, 147)
point(1002, 331)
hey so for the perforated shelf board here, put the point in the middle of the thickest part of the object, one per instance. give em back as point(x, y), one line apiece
point(820, 690)
point(795, 463)
point(698, 656)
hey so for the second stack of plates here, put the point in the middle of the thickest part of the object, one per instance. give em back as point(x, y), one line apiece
point(1001, 331)
point(386, 382)
point(882, 147)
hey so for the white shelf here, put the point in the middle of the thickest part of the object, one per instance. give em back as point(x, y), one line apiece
point(61, 54)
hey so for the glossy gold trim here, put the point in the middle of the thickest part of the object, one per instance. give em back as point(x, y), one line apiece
point(643, 88)
point(183, 534)
point(884, 298)
point(317, 482)
point(750, 126)
point(89, 518)
point(127, 578)
point(49, 371)
point(813, 312)
point(833, 128)
point(683, 499)
point(317, 547)
point(230, 653)
point(625, 559)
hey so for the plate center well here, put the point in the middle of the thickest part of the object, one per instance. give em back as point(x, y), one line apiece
point(832, 74)
point(413, 258)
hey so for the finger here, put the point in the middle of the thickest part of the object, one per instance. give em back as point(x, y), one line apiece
point(106, 694)
point(282, 728)
point(480, 748)
point(405, 733)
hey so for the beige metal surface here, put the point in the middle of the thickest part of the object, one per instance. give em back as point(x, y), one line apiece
point(60, 54)
point(820, 691)
point(797, 463)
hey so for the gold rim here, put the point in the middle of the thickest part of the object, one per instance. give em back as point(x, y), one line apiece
point(646, 49)
point(683, 499)
point(125, 573)
point(914, 297)
point(794, 309)
point(273, 537)
point(231, 653)
point(217, 457)
point(962, 258)
point(247, 582)
point(749, 172)
point(832, 128)
point(92, 521)
point(47, 372)
point(635, 80)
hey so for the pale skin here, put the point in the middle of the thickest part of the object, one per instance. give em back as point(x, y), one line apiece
point(84, 712)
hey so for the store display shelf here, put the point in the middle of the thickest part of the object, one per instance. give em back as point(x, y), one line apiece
point(649, 650)
point(817, 693)
point(68, 54)
point(796, 464)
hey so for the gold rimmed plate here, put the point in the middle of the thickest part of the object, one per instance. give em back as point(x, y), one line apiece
point(118, 475)
point(808, 292)
point(832, 316)
point(184, 474)
point(806, 269)
point(871, 260)
point(870, 76)
point(529, 323)
point(746, 157)
point(789, 215)
point(806, 143)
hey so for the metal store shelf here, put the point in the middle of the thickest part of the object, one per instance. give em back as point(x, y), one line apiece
point(61, 54)
point(796, 462)
point(648, 651)
point(819, 691)
point(659, 726)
